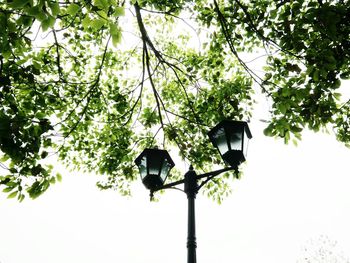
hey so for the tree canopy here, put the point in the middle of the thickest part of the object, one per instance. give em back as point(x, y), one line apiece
point(96, 81)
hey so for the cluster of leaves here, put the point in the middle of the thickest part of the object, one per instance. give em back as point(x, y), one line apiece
point(51, 90)
point(307, 56)
point(316, 58)
point(76, 83)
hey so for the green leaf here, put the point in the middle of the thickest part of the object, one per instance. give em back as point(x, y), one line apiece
point(73, 9)
point(97, 23)
point(12, 195)
point(35, 190)
point(282, 108)
point(7, 189)
point(273, 14)
point(13, 170)
point(286, 92)
point(295, 142)
point(337, 84)
point(55, 8)
point(286, 137)
point(41, 15)
point(337, 95)
point(52, 180)
point(18, 3)
point(115, 32)
point(32, 11)
point(345, 75)
point(113, 2)
point(102, 14)
point(4, 158)
point(267, 131)
point(44, 154)
point(40, 115)
point(59, 177)
point(102, 4)
point(21, 197)
point(47, 23)
point(268, 76)
point(119, 11)
point(86, 22)
point(114, 29)
point(116, 39)
point(11, 26)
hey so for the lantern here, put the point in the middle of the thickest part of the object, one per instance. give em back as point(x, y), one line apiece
point(154, 166)
point(231, 139)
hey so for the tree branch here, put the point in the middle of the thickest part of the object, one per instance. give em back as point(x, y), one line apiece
point(58, 59)
point(222, 21)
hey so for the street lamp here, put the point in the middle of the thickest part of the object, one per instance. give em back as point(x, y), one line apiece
point(229, 137)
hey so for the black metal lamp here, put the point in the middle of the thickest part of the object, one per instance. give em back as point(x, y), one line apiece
point(154, 166)
point(231, 139)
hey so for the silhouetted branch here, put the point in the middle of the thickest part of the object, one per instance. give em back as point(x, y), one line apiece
point(58, 59)
point(229, 41)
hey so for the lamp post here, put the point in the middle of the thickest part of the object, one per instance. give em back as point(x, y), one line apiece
point(229, 137)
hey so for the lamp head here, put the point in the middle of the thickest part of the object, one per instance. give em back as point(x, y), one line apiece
point(231, 139)
point(154, 166)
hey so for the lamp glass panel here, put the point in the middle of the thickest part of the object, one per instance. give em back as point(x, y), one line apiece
point(245, 144)
point(236, 141)
point(165, 169)
point(221, 141)
point(143, 167)
point(154, 168)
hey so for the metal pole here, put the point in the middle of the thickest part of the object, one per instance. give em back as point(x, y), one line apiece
point(191, 189)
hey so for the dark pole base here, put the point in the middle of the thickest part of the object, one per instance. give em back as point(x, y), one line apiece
point(191, 236)
point(191, 189)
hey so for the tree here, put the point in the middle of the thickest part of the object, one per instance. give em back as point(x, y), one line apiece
point(322, 250)
point(96, 81)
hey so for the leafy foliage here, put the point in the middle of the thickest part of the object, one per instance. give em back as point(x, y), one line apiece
point(96, 81)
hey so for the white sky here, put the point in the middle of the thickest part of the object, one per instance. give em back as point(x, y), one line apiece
point(287, 196)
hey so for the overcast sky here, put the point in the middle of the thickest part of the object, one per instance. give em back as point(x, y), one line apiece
point(287, 197)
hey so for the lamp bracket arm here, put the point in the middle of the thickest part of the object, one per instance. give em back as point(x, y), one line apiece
point(204, 182)
point(170, 185)
point(211, 175)
point(217, 172)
